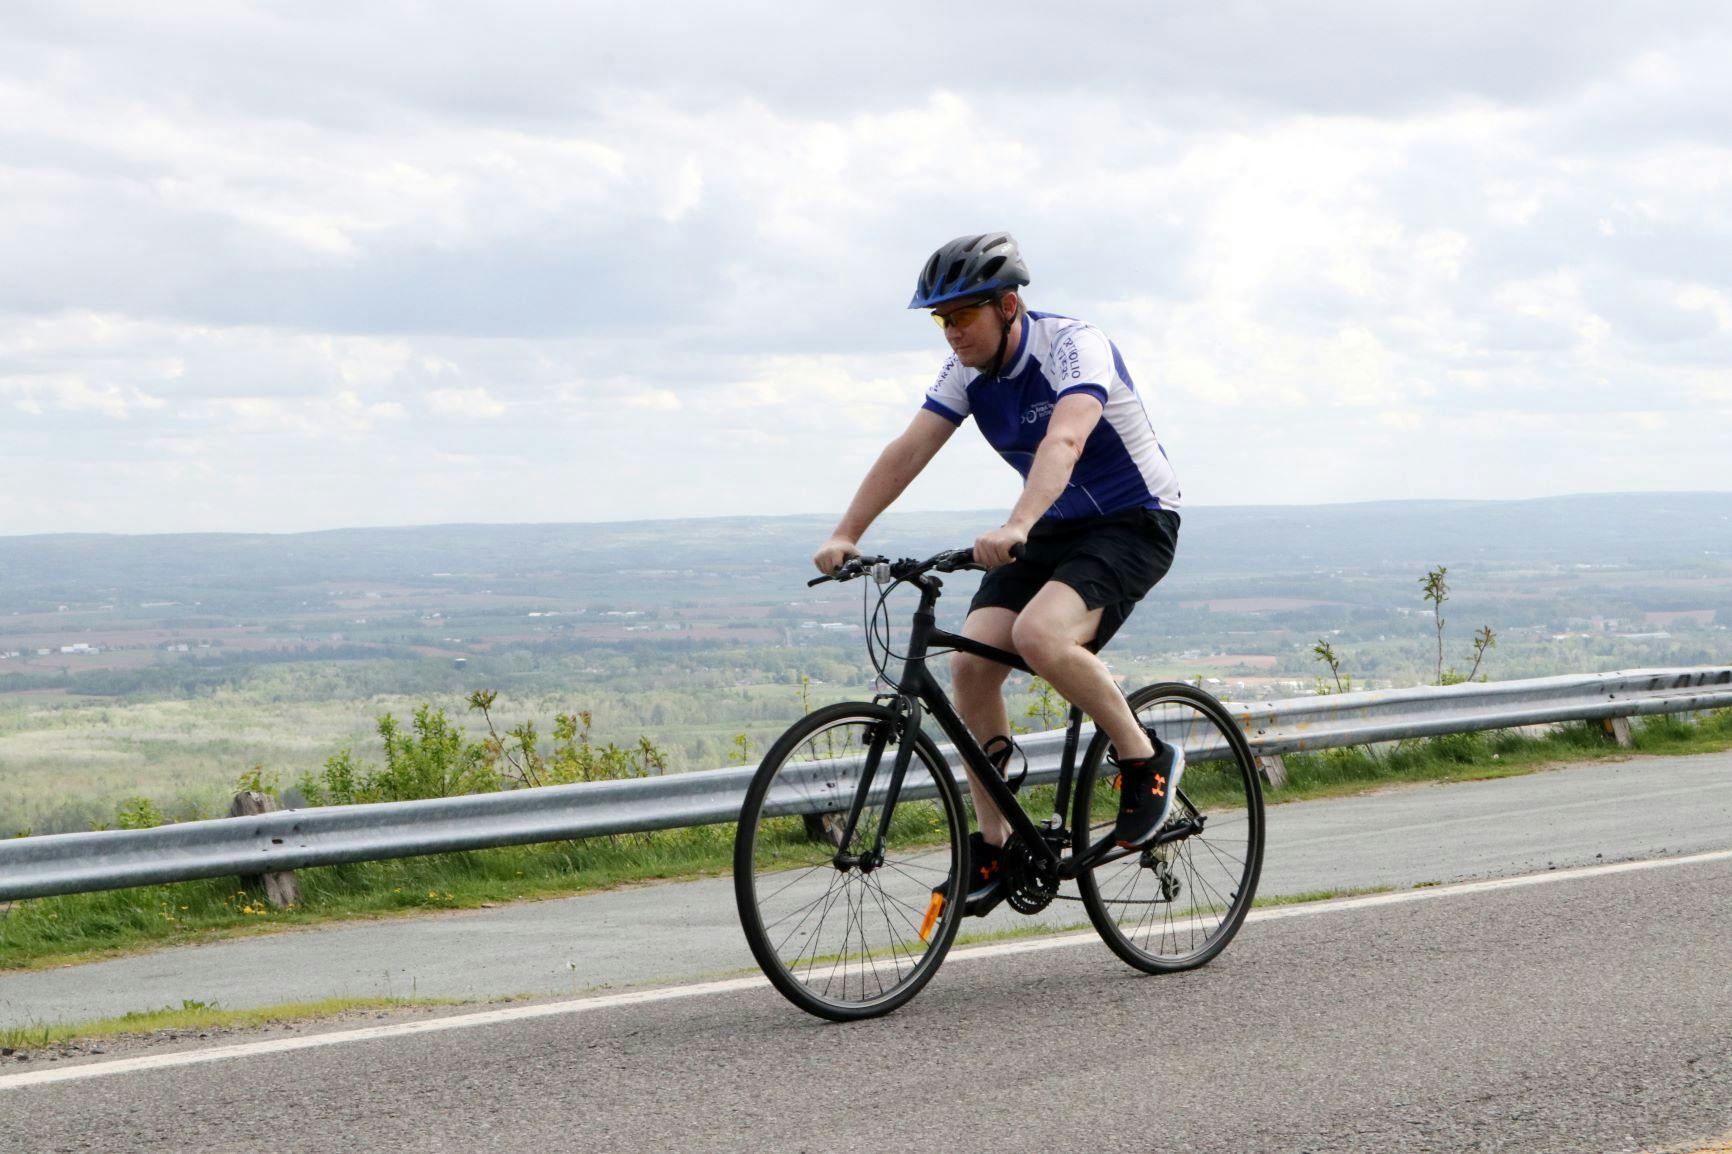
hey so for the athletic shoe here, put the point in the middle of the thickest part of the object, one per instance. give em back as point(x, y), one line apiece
point(1146, 790)
point(987, 888)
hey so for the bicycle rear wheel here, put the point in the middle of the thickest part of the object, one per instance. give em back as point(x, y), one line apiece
point(1175, 905)
point(841, 934)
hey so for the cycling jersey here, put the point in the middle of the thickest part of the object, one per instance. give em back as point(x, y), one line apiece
point(1122, 465)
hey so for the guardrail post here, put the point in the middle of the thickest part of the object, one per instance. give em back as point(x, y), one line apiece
point(826, 827)
point(1618, 730)
point(1273, 771)
point(280, 888)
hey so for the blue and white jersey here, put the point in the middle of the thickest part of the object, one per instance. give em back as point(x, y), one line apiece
point(1122, 465)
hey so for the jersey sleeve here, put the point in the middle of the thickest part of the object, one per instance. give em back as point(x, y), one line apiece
point(1081, 362)
point(948, 396)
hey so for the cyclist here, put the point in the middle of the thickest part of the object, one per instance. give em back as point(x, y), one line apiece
point(1097, 520)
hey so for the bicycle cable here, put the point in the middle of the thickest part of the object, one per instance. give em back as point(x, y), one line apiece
point(884, 645)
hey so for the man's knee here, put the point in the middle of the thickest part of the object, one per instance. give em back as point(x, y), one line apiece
point(1033, 637)
point(1040, 639)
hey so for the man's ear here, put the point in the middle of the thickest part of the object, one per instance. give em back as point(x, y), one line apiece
point(1015, 304)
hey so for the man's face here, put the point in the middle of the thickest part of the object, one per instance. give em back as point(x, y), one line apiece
point(974, 327)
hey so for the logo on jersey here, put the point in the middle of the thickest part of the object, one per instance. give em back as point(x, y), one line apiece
point(1069, 360)
point(944, 375)
point(1036, 411)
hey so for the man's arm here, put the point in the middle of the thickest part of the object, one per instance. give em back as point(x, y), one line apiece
point(899, 463)
point(1073, 419)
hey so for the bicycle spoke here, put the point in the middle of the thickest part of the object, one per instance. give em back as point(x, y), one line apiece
point(805, 912)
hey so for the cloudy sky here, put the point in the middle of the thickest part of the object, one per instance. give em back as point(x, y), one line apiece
point(305, 265)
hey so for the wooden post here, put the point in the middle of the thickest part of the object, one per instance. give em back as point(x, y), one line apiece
point(1618, 730)
point(1274, 770)
point(279, 888)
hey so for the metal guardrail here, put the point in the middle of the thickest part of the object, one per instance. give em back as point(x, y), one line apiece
point(294, 839)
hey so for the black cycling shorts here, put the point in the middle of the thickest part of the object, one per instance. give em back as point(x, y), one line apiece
point(1111, 562)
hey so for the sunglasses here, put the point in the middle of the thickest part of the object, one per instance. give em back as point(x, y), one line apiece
point(964, 315)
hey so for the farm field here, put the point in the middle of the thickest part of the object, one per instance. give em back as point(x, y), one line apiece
point(235, 652)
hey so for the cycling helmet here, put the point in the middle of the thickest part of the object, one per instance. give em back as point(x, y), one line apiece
point(970, 266)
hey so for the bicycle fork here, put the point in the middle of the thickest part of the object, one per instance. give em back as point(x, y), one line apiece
point(904, 724)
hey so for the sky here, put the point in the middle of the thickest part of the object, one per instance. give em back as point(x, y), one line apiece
point(292, 266)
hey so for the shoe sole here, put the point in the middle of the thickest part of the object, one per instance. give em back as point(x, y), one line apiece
point(980, 907)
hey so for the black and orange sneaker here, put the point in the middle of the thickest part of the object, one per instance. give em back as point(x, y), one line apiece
point(1146, 790)
point(986, 878)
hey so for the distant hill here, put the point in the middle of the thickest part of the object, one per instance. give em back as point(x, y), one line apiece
point(1688, 531)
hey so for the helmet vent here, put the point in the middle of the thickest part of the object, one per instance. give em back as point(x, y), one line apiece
point(969, 247)
point(991, 267)
point(955, 271)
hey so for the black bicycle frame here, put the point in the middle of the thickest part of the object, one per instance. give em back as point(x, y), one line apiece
point(916, 689)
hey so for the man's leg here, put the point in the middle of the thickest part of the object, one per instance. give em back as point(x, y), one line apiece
point(1050, 634)
point(978, 686)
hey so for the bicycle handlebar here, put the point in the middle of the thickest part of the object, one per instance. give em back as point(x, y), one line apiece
point(949, 561)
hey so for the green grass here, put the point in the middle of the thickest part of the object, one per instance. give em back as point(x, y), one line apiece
point(194, 1016)
point(84, 927)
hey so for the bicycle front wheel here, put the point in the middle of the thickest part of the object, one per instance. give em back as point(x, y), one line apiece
point(849, 931)
point(1175, 905)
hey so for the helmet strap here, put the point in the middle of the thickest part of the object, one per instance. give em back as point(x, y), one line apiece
point(1003, 342)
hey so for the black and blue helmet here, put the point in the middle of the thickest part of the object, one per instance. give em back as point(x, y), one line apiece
point(970, 266)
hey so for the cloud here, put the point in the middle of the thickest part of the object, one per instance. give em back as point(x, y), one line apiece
point(473, 403)
point(673, 274)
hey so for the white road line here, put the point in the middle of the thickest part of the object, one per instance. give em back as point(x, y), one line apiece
point(704, 989)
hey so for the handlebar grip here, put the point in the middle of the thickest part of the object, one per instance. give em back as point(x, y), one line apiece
point(964, 558)
point(818, 581)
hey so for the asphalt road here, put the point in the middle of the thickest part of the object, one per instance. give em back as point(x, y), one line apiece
point(1605, 811)
point(1586, 1014)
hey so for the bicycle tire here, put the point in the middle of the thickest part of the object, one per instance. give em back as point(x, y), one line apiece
point(1176, 906)
point(787, 885)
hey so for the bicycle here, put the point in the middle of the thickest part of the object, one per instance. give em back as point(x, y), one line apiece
point(850, 879)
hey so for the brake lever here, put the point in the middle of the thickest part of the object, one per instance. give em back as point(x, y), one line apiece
point(856, 566)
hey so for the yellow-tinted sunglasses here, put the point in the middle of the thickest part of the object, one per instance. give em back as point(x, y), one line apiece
point(964, 315)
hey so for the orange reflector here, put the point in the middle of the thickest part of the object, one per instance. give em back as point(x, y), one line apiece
point(931, 919)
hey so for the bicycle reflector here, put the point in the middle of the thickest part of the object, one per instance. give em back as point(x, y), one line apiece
point(933, 909)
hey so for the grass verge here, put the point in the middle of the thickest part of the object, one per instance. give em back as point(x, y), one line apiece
point(86, 927)
point(197, 1017)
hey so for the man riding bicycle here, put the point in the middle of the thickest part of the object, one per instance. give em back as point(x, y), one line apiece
point(1097, 521)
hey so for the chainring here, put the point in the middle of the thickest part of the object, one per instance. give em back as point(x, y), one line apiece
point(1033, 882)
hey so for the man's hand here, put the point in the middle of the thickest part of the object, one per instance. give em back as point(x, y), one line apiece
point(993, 549)
point(832, 553)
